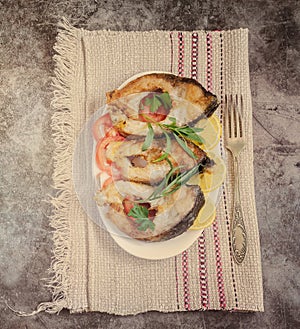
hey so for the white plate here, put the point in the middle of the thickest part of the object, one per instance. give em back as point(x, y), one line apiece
point(85, 186)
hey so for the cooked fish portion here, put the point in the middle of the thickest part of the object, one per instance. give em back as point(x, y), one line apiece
point(186, 88)
point(125, 117)
point(174, 214)
point(127, 126)
point(140, 166)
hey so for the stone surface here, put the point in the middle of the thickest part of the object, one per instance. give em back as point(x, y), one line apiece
point(28, 30)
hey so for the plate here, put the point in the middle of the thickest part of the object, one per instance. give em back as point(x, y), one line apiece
point(86, 185)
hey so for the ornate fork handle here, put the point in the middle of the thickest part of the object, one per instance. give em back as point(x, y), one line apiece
point(238, 230)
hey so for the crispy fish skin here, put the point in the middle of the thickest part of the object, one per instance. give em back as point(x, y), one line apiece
point(175, 213)
point(140, 166)
point(183, 87)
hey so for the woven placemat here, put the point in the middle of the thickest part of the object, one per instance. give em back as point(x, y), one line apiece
point(90, 271)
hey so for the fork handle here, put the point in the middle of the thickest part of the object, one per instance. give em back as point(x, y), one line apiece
point(238, 230)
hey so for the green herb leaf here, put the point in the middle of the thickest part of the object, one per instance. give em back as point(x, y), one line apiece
point(165, 100)
point(161, 158)
point(169, 186)
point(186, 132)
point(139, 212)
point(149, 138)
point(184, 146)
point(154, 103)
point(168, 146)
point(195, 138)
point(164, 184)
point(197, 130)
point(157, 100)
point(170, 163)
point(167, 150)
point(145, 223)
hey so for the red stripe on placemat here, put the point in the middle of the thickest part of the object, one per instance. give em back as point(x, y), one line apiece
point(221, 290)
point(220, 280)
point(203, 272)
point(185, 254)
point(185, 272)
point(194, 57)
point(172, 51)
point(180, 54)
point(222, 154)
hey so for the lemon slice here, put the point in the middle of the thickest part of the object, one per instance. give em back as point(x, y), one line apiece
point(211, 133)
point(213, 177)
point(205, 217)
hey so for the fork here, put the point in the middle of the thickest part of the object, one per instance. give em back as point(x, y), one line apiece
point(235, 143)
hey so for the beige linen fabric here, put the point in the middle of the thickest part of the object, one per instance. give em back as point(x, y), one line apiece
point(90, 271)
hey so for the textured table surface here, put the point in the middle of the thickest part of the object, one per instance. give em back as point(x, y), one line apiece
point(28, 30)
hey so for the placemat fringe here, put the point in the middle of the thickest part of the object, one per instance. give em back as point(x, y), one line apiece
point(65, 66)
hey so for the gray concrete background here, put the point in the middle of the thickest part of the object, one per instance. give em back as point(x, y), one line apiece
point(28, 30)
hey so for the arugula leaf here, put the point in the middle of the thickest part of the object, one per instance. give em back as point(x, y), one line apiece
point(149, 138)
point(183, 144)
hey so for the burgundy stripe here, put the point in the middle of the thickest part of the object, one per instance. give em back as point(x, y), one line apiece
point(180, 54)
point(209, 62)
point(185, 271)
point(221, 290)
point(204, 302)
point(185, 254)
point(203, 272)
point(220, 280)
point(172, 51)
point(194, 60)
point(222, 154)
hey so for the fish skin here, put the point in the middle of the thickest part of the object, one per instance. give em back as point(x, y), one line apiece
point(187, 88)
point(199, 103)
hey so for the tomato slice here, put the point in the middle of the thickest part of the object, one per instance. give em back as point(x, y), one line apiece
point(102, 126)
point(151, 117)
point(128, 205)
point(145, 113)
point(101, 146)
point(107, 182)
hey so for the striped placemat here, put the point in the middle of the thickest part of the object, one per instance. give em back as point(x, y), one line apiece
point(90, 271)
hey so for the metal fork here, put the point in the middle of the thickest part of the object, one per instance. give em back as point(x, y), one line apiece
point(235, 142)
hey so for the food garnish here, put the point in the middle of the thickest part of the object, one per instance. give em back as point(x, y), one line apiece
point(140, 159)
point(155, 107)
point(141, 213)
